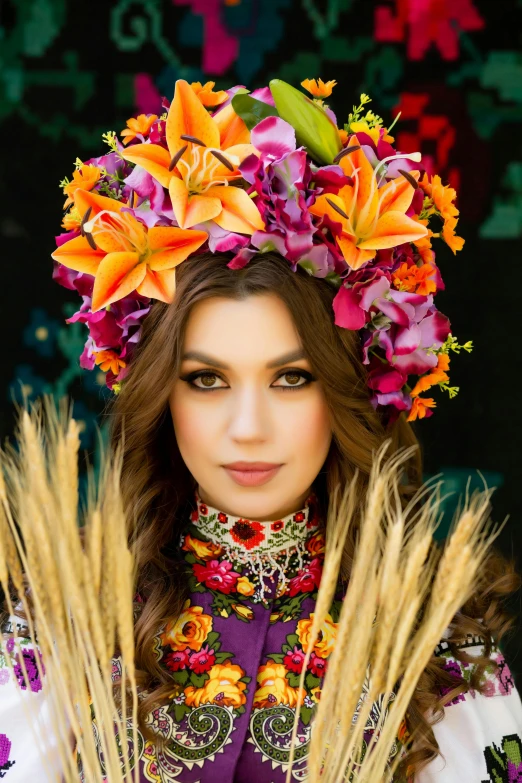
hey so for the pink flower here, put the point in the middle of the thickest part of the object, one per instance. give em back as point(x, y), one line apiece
point(217, 575)
point(317, 665)
point(177, 660)
point(294, 660)
point(202, 660)
point(308, 579)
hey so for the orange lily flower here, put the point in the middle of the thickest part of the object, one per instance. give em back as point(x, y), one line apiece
point(206, 94)
point(453, 241)
point(197, 169)
point(371, 218)
point(85, 178)
point(140, 124)
point(122, 254)
point(318, 88)
point(419, 409)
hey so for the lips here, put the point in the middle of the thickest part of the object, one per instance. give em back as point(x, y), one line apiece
point(252, 474)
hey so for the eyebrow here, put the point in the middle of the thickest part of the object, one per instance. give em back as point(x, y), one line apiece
point(293, 356)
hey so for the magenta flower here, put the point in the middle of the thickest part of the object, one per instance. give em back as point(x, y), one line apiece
point(217, 575)
point(317, 665)
point(177, 660)
point(203, 660)
point(308, 579)
point(294, 660)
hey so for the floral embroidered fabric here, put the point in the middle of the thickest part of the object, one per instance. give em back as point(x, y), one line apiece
point(235, 655)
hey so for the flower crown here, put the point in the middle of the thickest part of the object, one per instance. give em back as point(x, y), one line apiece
point(239, 172)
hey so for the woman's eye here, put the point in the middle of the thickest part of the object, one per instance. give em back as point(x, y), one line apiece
point(294, 380)
point(206, 380)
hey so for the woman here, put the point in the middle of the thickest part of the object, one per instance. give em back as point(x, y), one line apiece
point(244, 404)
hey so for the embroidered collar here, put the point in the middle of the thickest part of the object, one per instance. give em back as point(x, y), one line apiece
point(242, 535)
point(271, 553)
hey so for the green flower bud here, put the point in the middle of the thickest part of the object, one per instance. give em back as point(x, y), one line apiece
point(314, 129)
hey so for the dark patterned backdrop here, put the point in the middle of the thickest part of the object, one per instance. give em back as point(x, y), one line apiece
point(70, 71)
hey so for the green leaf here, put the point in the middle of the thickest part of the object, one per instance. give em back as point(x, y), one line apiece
point(277, 657)
point(223, 656)
point(293, 640)
point(285, 648)
point(251, 110)
point(239, 710)
point(512, 748)
point(306, 715)
point(181, 677)
point(311, 681)
point(198, 680)
point(212, 639)
point(180, 710)
point(314, 129)
point(190, 558)
point(293, 679)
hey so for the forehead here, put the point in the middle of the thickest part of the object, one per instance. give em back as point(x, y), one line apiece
point(254, 329)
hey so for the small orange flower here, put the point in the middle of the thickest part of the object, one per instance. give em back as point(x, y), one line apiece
point(206, 94)
point(443, 195)
point(448, 234)
point(343, 135)
point(85, 178)
point(420, 407)
point(415, 279)
point(439, 374)
point(318, 88)
point(140, 124)
point(71, 220)
point(109, 360)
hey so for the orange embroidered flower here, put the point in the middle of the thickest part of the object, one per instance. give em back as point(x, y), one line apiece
point(244, 586)
point(318, 88)
point(189, 630)
point(326, 639)
point(421, 408)
point(316, 543)
point(109, 360)
point(85, 178)
point(206, 94)
point(273, 687)
point(222, 687)
point(204, 550)
point(138, 125)
point(415, 279)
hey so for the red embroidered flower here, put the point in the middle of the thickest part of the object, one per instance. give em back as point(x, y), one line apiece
point(308, 579)
point(194, 516)
point(217, 575)
point(299, 517)
point(317, 665)
point(202, 660)
point(222, 518)
point(279, 525)
point(177, 660)
point(248, 534)
point(294, 660)
point(203, 509)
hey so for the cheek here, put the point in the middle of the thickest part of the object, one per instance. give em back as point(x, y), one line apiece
point(194, 424)
point(307, 426)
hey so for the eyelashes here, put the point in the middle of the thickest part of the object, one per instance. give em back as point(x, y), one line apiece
point(194, 376)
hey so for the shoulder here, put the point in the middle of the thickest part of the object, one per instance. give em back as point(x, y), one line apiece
point(480, 734)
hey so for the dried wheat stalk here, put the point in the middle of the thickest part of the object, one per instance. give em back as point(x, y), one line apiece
point(75, 588)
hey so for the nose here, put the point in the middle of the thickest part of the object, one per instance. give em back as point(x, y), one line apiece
point(249, 416)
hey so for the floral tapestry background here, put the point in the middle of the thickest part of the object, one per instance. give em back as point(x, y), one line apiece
point(71, 71)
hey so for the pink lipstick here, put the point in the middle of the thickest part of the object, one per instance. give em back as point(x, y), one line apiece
point(252, 474)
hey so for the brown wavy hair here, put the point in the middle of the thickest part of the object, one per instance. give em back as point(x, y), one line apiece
point(158, 489)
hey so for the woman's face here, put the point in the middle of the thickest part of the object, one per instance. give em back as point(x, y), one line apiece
point(250, 419)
